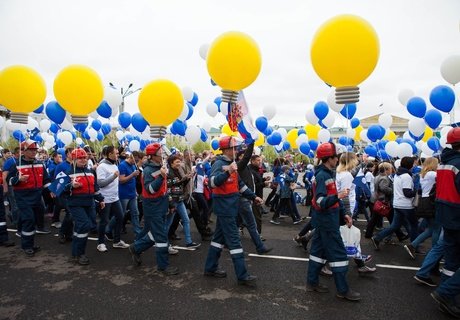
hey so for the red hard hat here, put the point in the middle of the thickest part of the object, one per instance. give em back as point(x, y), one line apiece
point(78, 153)
point(326, 150)
point(29, 145)
point(228, 142)
point(152, 149)
point(453, 136)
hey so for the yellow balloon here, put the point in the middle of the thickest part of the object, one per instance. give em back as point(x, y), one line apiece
point(260, 140)
point(234, 60)
point(228, 131)
point(312, 131)
point(161, 102)
point(428, 134)
point(358, 130)
point(291, 137)
point(78, 89)
point(391, 136)
point(22, 89)
point(217, 152)
point(345, 51)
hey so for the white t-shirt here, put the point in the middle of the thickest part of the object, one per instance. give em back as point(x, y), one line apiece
point(427, 183)
point(400, 201)
point(344, 180)
point(199, 184)
point(370, 181)
point(105, 171)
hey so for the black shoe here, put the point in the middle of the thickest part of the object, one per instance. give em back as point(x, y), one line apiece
point(29, 252)
point(36, 249)
point(425, 281)
point(134, 255)
point(350, 295)
point(250, 281)
point(7, 243)
point(109, 237)
point(219, 273)
point(318, 288)
point(376, 243)
point(62, 239)
point(193, 245)
point(265, 250)
point(83, 260)
point(169, 271)
point(446, 305)
point(404, 237)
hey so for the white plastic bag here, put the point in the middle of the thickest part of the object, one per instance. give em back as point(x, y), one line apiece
point(351, 239)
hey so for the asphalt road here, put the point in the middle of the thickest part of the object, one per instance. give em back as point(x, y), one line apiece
point(48, 286)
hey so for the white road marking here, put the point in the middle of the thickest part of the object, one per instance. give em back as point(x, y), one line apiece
point(386, 266)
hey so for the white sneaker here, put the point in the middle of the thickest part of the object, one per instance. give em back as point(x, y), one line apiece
point(56, 225)
point(172, 251)
point(121, 245)
point(102, 247)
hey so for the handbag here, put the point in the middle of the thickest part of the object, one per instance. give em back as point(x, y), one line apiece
point(382, 208)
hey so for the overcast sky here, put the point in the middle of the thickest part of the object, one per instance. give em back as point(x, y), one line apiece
point(141, 40)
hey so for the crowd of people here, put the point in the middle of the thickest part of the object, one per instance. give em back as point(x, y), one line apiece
point(156, 191)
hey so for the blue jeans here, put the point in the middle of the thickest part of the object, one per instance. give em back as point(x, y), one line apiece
point(182, 211)
point(294, 207)
point(426, 234)
point(247, 216)
point(131, 205)
point(432, 258)
point(405, 217)
point(111, 209)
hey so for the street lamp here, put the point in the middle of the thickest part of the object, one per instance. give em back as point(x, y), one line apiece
point(124, 94)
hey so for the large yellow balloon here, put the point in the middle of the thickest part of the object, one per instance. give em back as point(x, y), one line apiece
point(228, 131)
point(78, 89)
point(22, 89)
point(291, 137)
point(358, 130)
point(161, 102)
point(391, 136)
point(260, 140)
point(312, 131)
point(428, 134)
point(234, 60)
point(345, 51)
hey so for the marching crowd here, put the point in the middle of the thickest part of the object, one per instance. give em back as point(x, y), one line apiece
point(156, 191)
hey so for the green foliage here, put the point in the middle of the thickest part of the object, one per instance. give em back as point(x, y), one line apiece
point(200, 146)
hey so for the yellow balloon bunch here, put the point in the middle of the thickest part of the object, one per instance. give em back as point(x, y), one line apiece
point(428, 134)
point(228, 131)
point(22, 89)
point(292, 136)
point(78, 89)
point(312, 131)
point(358, 130)
point(260, 140)
point(161, 102)
point(391, 136)
point(234, 60)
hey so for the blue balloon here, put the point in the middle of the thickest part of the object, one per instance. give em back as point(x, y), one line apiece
point(321, 124)
point(54, 128)
point(59, 143)
point(194, 100)
point(218, 101)
point(434, 144)
point(412, 144)
point(17, 134)
point(106, 128)
point(55, 112)
point(415, 137)
point(274, 139)
point(286, 146)
point(144, 143)
point(381, 144)
point(375, 132)
point(104, 110)
point(39, 109)
point(371, 151)
point(354, 123)
point(38, 138)
point(204, 135)
point(348, 111)
point(85, 135)
point(442, 98)
point(190, 111)
point(305, 148)
point(138, 122)
point(171, 129)
point(301, 131)
point(416, 107)
point(261, 124)
point(100, 136)
point(345, 141)
point(128, 137)
point(321, 110)
point(124, 119)
point(215, 144)
point(80, 127)
point(268, 131)
point(96, 124)
point(311, 154)
point(433, 118)
point(61, 151)
point(179, 127)
point(313, 144)
point(213, 83)
point(383, 155)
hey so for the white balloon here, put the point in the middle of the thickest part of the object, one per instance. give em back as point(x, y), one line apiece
point(93, 115)
point(212, 109)
point(443, 142)
point(2, 122)
point(113, 98)
point(363, 136)
point(48, 145)
point(419, 144)
point(45, 125)
point(351, 133)
point(31, 123)
point(257, 151)
point(92, 133)
point(426, 150)
point(134, 145)
point(269, 112)
point(404, 96)
point(331, 102)
point(445, 130)
point(450, 69)
point(282, 132)
point(193, 134)
point(385, 120)
point(10, 125)
point(50, 139)
point(184, 112)
point(118, 134)
point(311, 117)
point(329, 120)
point(224, 108)
point(66, 137)
point(397, 164)
point(301, 139)
point(324, 135)
point(79, 141)
point(187, 92)
point(404, 150)
point(416, 126)
point(204, 51)
point(66, 124)
point(406, 135)
point(44, 135)
point(206, 126)
point(391, 148)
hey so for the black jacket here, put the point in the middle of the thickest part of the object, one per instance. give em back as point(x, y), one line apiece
point(259, 181)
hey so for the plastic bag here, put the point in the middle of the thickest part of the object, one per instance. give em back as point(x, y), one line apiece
point(351, 240)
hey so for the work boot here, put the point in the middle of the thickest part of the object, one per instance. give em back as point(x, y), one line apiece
point(250, 281)
point(169, 271)
point(350, 295)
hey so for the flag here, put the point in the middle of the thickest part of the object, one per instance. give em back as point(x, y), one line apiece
point(59, 183)
point(360, 182)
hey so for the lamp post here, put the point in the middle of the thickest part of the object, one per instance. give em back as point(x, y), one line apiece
point(124, 93)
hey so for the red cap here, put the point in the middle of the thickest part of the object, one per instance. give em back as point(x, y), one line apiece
point(78, 153)
point(228, 142)
point(453, 136)
point(152, 149)
point(326, 150)
point(29, 145)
